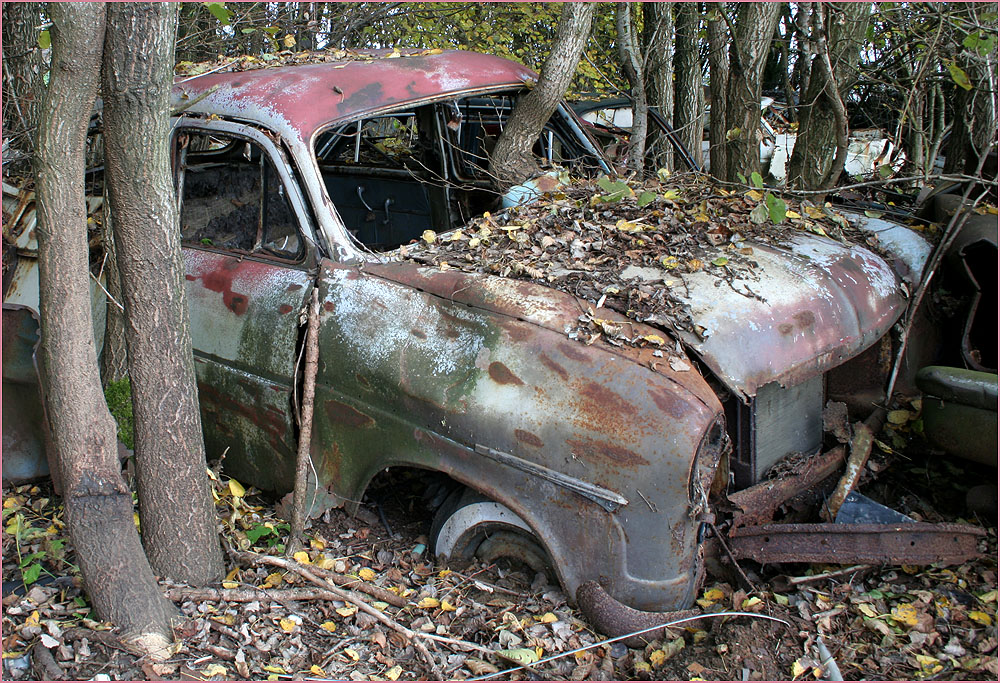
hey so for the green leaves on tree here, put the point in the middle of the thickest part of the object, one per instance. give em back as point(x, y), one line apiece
point(958, 75)
point(219, 11)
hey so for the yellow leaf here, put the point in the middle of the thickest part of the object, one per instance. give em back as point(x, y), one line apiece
point(713, 595)
point(927, 662)
point(980, 618)
point(642, 666)
point(10, 502)
point(213, 670)
point(32, 619)
point(657, 657)
point(754, 195)
point(233, 574)
point(273, 669)
point(669, 262)
point(750, 602)
point(352, 654)
point(990, 596)
point(548, 618)
point(457, 235)
point(898, 417)
point(797, 669)
point(429, 236)
point(272, 677)
point(867, 610)
point(905, 613)
point(702, 217)
point(695, 264)
point(324, 562)
point(428, 603)
point(289, 41)
point(792, 214)
point(447, 606)
point(135, 519)
point(227, 619)
point(302, 557)
point(435, 51)
point(236, 488)
point(523, 656)
point(367, 574)
point(316, 671)
point(380, 606)
point(272, 580)
point(317, 544)
point(813, 212)
point(394, 673)
point(443, 573)
point(347, 610)
point(474, 242)
point(655, 339)
point(287, 625)
point(328, 626)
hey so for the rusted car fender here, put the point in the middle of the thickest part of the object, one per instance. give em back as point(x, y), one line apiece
point(604, 452)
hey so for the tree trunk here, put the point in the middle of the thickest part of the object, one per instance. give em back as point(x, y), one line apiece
point(23, 88)
point(820, 129)
point(658, 32)
point(718, 69)
point(632, 63)
point(98, 503)
point(114, 357)
point(688, 99)
point(175, 504)
point(755, 25)
point(512, 161)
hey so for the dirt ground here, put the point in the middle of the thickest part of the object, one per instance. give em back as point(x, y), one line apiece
point(887, 623)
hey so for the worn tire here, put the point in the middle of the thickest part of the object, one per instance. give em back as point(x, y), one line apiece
point(469, 525)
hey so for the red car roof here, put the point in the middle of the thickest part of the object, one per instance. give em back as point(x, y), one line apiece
point(297, 100)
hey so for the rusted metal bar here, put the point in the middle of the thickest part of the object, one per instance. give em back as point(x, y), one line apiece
point(916, 543)
point(861, 448)
point(761, 501)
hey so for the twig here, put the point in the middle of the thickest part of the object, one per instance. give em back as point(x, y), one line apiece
point(793, 581)
point(861, 448)
point(732, 558)
point(297, 522)
point(664, 625)
point(307, 574)
point(184, 106)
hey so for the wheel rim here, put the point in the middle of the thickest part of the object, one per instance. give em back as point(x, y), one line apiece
point(489, 530)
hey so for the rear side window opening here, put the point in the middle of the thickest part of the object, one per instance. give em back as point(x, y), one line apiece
point(394, 175)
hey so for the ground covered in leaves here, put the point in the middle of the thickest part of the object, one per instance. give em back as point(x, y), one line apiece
point(268, 622)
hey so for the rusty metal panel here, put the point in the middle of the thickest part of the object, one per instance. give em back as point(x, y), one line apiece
point(820, 302)
point(24, 424)
point(296, 101)
point(411, 372)
point(916, 543)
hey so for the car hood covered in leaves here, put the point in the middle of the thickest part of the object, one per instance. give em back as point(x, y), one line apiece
point(756, 303)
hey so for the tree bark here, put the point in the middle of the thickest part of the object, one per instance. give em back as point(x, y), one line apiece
point(98, 503)
point(23, 87)
point(838, 33)
point(175, 503)
point(718, 69)
point(688, 99)
point(754, 30)
point(632, 63)
point(512, 161)
point(658, 32)
point(114, 357)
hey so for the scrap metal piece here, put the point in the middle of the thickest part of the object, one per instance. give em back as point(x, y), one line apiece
point(761, 501)
point(917, 543)
point(859, 509)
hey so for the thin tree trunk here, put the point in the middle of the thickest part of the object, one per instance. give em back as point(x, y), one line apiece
point(718, 69)
point(631, 60)
point(658, 32)
point(512, 161)
point(114, 357)
point(98, 503)
point(175, 504)
point(837, 36)
point(688, 99)
point(754, 31)
point(23, 88)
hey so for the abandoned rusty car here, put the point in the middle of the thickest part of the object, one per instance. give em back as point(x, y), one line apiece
point(594, 458)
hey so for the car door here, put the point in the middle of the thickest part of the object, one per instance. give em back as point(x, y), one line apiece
point(245, 238)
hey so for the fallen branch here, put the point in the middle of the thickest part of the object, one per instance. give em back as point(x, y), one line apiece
point(784, 583)
point(302, 461)
point(249, 594)
point(306, 573)
point(861, 448)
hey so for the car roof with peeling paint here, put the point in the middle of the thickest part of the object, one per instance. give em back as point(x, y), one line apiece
point(300, 99)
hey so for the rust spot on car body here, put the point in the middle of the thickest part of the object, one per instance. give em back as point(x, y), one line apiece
point(573, 353)
point(669, 403)
point(293, 287)
point(418, 334)
point(804, 319)
point(593, 450)
point(528, 438)
point(553, 366)
point(341, 413)
point(284, 308)
point(222, 282)
point(501, 374)
point(328, 306)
